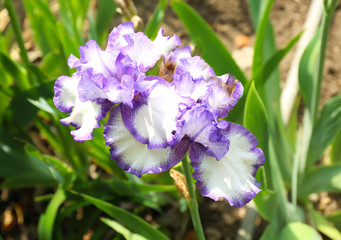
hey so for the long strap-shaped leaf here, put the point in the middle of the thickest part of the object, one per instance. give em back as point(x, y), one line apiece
point(212, 49)
point(46, 220)
point(128, 219)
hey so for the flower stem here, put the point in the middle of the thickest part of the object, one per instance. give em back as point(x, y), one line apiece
point(192, 202)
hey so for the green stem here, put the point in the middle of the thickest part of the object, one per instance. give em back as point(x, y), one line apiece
point(192, 202)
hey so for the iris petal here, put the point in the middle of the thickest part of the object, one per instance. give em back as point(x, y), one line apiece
point(135, 157)
point(153, 118)
point(232, 177)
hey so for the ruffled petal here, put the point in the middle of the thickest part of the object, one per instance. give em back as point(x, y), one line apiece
point(146, 52)
point(89, 87)
point(223, 94)
point(187, 87)
point(196, 66)
point(85, 117)
point(163, 45)
point(135, 157)
point(66, 92)
point(116, 39)
point(152, 120)
point(85, 114)
point(232, 177)
point(92, 56)
point(201, 126)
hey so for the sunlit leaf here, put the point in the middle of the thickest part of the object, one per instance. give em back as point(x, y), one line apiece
point(155, 20)
point(335, 153)
point(18, 73)
point(323, 225)
point(212, 49)
point(298, 231)
point(105, 13)
point(307, 70)
point(47, 219)
point(325, 129)
point(264, 72)
point(126, 233)
point(260, 36)
point(321, 179)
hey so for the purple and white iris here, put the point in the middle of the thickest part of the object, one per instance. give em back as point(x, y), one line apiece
point(156, 120)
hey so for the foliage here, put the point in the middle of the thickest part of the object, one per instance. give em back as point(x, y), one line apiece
point(36, 150)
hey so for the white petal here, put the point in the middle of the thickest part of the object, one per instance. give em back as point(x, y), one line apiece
point(135, 157)
point(84, 117)
point(232, 177)
point(153, 120)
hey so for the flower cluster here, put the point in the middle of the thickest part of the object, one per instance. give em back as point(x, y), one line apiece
point(156, 119)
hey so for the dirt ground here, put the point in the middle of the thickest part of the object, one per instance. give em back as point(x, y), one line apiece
point(228, 18)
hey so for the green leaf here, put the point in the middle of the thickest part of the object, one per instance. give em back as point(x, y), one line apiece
point(272, 230)
point(335, 153)
point(323, 225)
point(291, 129)
point(43, 25)
point(5, 101)
point(264, 72)
point(20, 169)
point(321, 179)
point(155, 20)
point(21, 111)
point(128, 219)
point(255, 120)
point(260, 37)
point(263, 200)
point(122, 230)
point(105, 13)
point(18, 73)
point(298, 231)
point(335, 218)
point(212, 49)
point(42, 104)
point(70, 45)
point(47, 219)
point(93, 31)
point(127, 188)
point(325, 129)
point(255, 116)
point(307, 70)
point(73, 13)
point(53, 64)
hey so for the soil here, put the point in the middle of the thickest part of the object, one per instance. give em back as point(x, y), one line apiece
point(229, 19)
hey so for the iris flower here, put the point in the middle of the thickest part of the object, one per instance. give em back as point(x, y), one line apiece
point(156, 120)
